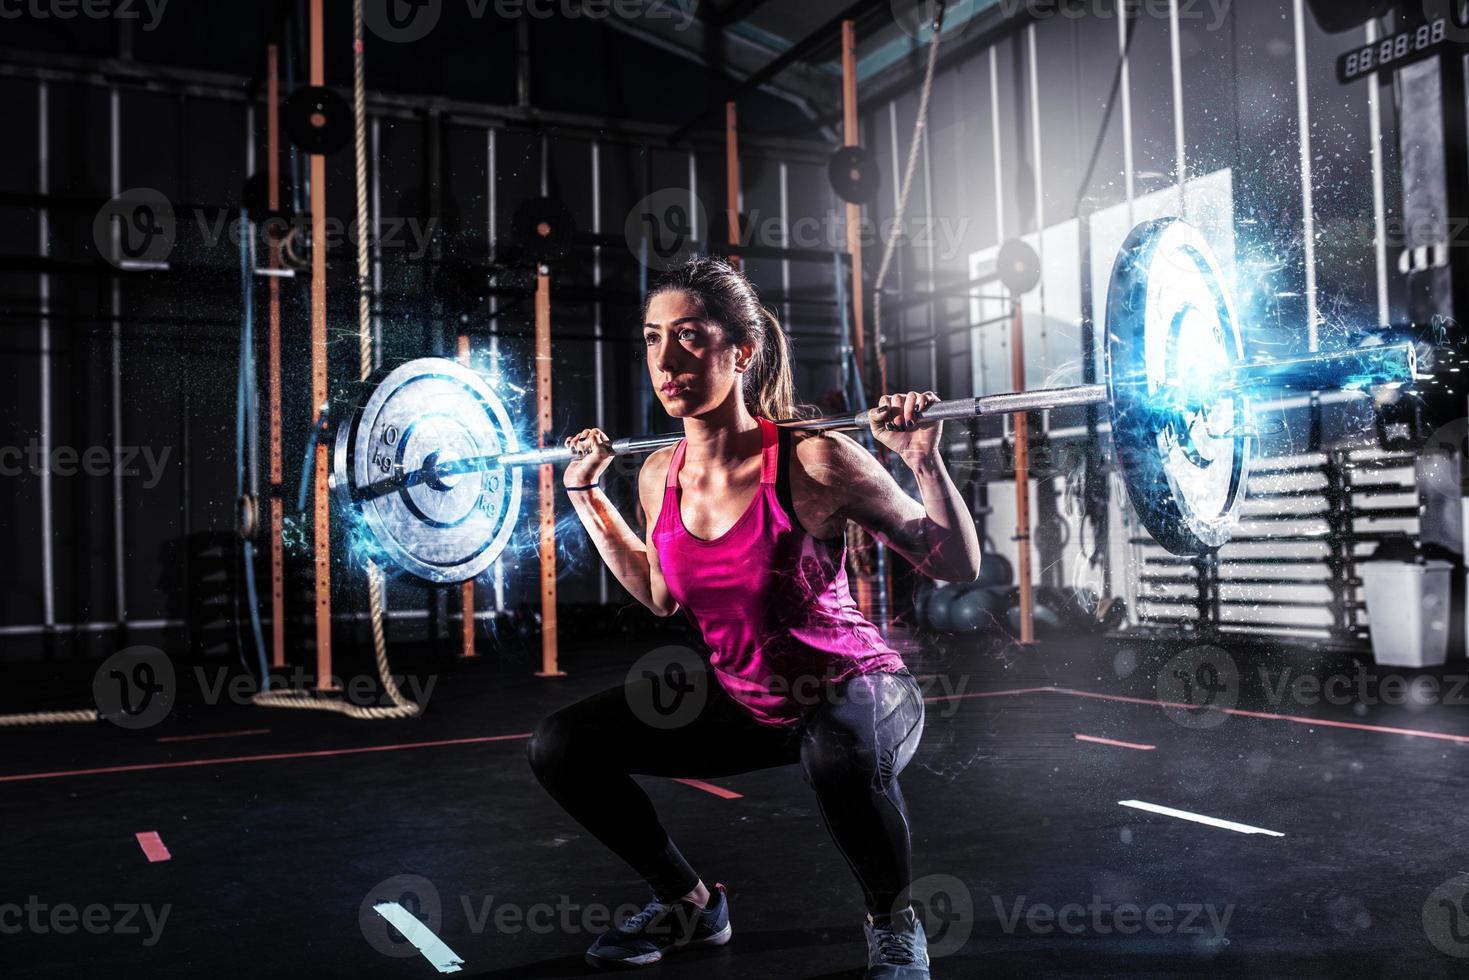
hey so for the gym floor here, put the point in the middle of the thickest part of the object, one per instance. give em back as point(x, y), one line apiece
point(277, 830)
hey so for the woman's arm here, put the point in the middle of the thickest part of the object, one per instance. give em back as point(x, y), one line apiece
point(937, 537)
point(632, 560)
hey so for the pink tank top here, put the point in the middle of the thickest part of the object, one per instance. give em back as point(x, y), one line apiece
point(771, 600)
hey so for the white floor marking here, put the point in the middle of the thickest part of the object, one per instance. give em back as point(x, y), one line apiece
point(444, 959)
point(1168, 811)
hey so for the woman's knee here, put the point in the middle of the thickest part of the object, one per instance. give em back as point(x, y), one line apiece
point(553, 745)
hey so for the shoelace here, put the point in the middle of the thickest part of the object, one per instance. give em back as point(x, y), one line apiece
point(636, 922)
point(895, 948)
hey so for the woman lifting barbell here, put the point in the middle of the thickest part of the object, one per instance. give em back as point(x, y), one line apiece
point(746, 526)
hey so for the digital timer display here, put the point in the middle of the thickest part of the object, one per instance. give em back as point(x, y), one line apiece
point(1393, 51)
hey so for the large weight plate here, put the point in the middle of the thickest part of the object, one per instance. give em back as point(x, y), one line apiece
point(430, 410)
point(1181, 436)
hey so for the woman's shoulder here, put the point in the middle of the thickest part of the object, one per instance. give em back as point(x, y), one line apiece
point(654, 471)
point(824, 457)
point(656, 462)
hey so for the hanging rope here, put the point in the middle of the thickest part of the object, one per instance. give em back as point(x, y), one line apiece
point(401, 707)
point(890, 246)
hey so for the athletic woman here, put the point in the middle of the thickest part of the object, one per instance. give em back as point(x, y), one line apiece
point(745, 535)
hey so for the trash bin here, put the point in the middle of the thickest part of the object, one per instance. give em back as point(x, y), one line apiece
point(1407, 611)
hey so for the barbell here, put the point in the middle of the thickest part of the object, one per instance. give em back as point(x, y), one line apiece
point(427, 461)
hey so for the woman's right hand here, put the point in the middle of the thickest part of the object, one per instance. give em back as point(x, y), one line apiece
point(591, 454)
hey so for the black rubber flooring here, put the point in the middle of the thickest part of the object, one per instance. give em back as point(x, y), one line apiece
point(280, 839)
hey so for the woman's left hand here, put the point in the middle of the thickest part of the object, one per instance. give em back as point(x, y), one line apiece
point(897, 422)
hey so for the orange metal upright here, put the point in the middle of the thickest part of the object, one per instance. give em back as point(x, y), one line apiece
point(322, 525)
point(860, 544)
point(1022, 479)
point(549, 666)
point(273, 262)
point(466, 592)
point(732, 177)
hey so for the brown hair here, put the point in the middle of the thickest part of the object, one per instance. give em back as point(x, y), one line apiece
point(729, 299)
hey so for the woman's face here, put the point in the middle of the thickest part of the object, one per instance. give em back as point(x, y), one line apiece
point(693, 366)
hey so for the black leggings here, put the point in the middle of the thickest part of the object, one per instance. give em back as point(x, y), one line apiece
point(851, 744)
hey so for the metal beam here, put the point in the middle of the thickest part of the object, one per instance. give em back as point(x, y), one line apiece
point(806, 89)
point(828, 34)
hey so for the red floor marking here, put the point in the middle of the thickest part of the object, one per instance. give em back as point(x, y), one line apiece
point(1271, 716)
point(22, 777)
point(1266, 715)
point(719, 791)
point(987, 694)
point(196, 738)
point(152, 846)
point(1112, 741)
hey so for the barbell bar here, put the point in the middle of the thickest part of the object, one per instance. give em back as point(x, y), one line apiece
point(429, 465)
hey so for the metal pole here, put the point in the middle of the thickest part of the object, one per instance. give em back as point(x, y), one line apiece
point(732, 177)
point(319, 394)
point(1022, 480)
point(548, 477)
point(273, 257)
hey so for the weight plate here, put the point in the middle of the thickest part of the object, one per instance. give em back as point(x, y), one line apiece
point(426, 411)
point(317, 119)
point(1183, 438)
point(854, 174)
point(1019, 266)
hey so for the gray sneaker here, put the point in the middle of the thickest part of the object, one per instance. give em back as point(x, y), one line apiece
point(898, 950)
point(663, 928)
